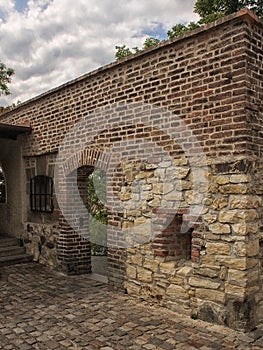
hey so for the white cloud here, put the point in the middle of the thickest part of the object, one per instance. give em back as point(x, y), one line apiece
point(7, 6)
point(53, 41)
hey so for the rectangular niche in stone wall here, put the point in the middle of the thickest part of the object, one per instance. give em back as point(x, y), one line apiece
point(170, 239)
point(41, 194)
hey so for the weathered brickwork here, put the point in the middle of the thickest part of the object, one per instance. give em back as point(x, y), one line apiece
point(178, 130)
point(201, 78)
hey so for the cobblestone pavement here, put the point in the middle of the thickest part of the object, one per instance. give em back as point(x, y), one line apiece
point(41, 309)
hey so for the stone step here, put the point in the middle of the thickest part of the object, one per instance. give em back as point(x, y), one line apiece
point(6, 241)
point(11, 250)
point(15, 259)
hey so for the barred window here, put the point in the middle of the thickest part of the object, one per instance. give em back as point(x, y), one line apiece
point(41, 194)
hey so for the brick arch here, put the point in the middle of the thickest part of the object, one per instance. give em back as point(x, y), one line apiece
point(93, 157)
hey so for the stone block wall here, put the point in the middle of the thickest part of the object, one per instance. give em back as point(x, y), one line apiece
point(40, 241)
point(222, 267)
point(178, 130)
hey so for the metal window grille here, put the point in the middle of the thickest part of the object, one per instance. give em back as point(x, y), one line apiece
point(41, 194)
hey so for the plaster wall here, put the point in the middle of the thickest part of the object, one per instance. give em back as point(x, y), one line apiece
point(12, 212)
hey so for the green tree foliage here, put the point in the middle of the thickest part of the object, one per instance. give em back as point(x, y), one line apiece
point(97, 195)
point(208, 10)
point(123, 51)
point(5, 78)
point(177, 30)
point(98, 218)
point(256, 6)
point(150, 42)
point(180, 29)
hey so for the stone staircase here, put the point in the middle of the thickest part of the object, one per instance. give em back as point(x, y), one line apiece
point(11, 251)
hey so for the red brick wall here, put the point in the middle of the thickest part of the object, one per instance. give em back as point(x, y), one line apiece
point(202, 78)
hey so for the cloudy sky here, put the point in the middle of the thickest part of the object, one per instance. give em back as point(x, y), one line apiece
point(49, 42)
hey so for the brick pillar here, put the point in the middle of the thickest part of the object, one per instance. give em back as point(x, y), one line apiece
point(116, 252)
point(74, 253)
point(116, 242)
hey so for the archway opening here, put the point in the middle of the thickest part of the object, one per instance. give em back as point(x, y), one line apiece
point(92, 189)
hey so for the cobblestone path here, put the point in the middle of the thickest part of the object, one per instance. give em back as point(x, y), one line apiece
point(41, 309)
